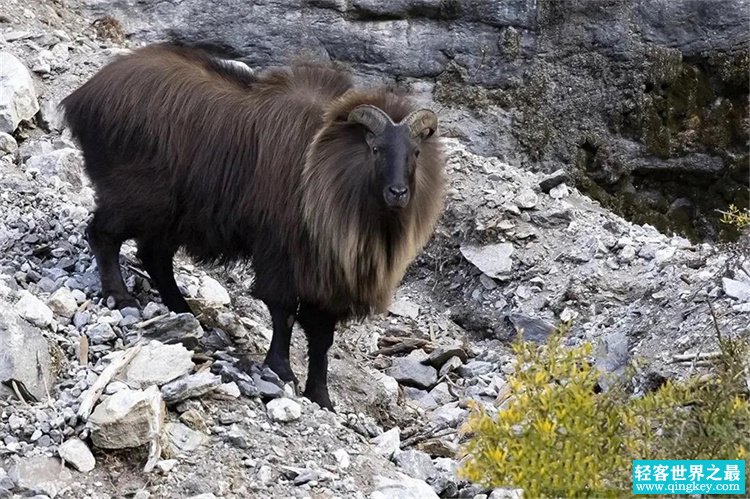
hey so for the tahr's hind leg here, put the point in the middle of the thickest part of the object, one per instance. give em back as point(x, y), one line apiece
point(105, 238)
point(156, 257)
point(319, 327)
point(277, 357)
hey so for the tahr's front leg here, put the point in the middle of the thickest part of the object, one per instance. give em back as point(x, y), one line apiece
point(277, 357)
point(319, 327)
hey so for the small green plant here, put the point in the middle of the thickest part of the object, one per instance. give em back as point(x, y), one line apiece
point(705, 417)
point(736, 217)
point(555, 436)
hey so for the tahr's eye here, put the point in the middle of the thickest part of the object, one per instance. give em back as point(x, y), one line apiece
point(374, 149)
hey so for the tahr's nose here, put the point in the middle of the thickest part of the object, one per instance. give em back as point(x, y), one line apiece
point(398, 191)
point(396, 195)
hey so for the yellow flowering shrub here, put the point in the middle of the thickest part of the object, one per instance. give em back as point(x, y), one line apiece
point(556, 436)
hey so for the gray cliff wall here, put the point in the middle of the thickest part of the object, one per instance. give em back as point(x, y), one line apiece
point(644, 102)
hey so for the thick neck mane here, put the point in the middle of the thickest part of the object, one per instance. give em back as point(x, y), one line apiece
point(359, 244)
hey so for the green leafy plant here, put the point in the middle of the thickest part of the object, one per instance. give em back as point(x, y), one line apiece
point(703, 417)
point(555, 435)
point(736, 217)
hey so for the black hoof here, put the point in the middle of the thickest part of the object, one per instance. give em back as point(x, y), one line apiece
point(283, 371)
point(178, 306)
point(320, 398)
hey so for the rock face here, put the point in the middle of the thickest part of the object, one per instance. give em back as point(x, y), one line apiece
point(24, 356)
point(625, 97)
point(17, 96)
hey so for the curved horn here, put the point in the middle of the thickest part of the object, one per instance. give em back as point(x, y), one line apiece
point(373, 118)
point(421, 121)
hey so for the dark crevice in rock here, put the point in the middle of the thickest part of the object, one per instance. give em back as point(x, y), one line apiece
point(688, 159)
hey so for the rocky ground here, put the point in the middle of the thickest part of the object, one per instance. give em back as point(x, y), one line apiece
point(92, 398)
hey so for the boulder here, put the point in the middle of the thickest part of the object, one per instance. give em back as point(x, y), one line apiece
point(62, 166)
point(174, 328)
point(33, 309)
point(213, 292)
point(389, 443)
point(494, 259)
point(18, 100)
point(739, 290)
point(283, 410)
point(158, 364)
point(404, 308)
point(127, 419)
point(8, 144)
point(442, 354)
point(24, 357)
point(41, 475)
point(63, 303)
point(77, 454)
point(183, 440)
point(190, 386)
point(415, 464)
point(401, 487)
point(412, 372)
